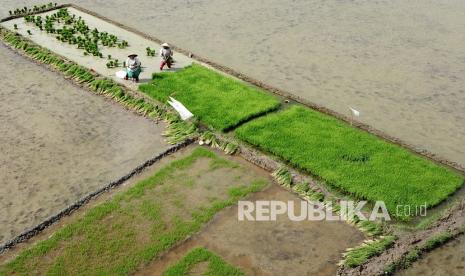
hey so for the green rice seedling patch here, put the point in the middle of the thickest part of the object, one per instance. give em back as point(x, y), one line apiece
point(352, 160)
point(216, 265)
point(122, 233)
point(360, 254)
point(217, 100)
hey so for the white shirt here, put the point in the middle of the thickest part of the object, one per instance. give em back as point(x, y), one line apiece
point(133, 64)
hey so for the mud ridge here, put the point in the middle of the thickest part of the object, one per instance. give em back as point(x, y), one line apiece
point(73, 207)
point(452, 222)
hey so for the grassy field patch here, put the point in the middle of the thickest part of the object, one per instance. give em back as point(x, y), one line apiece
point(216, 265)
point(351, 159)
point(217, 100)
point(117, 236)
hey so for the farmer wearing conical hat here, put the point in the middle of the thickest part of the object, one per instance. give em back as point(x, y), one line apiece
point(133, 67)
point(166, 55)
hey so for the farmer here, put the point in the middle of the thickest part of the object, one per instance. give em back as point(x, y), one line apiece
point(133, 67)
point(166, 56)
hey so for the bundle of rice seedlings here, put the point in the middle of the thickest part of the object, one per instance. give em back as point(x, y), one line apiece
point(229, 147)
point(208, 138)
point(283, 176)
point(156, 112)
point(370, 227)
point(150, 52)
point(356, 256)
point(180, 131)
point(304, 190)
point(301, 188)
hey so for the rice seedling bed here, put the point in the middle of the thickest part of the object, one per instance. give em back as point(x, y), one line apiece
point(136, 225)
point(352, 160)
point(219, 101)
point(215, 265)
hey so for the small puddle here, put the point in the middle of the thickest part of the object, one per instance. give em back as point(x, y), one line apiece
point(269, 248)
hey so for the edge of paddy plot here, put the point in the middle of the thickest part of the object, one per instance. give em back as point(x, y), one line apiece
point(217, 100)
point(352, 160)
point(136, 225)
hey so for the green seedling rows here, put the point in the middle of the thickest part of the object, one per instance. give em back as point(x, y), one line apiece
point(352, 160)
point(131, 229)
point(217, 100)
point(26, 10)
point(74, 30)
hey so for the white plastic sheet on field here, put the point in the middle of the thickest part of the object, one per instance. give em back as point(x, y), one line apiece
point(180, 108)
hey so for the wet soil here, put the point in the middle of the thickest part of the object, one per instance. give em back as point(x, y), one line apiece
point(269, 248)
point(400, 63)
point(59, 142)
point(447, 260)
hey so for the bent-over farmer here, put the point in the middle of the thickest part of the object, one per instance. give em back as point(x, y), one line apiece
point(166, 55)
point(133, 67)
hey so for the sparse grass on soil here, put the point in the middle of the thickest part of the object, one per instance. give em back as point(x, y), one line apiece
point(117, 236)
point(216, 265)
point(351, 159)
point(416, 253)
point(217, 100)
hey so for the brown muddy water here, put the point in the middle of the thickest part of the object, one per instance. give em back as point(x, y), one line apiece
point(446, 260)
point(401, 63)
point(59, 142)
point(269, 248)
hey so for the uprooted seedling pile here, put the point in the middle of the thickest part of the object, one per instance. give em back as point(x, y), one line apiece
point(74, 30)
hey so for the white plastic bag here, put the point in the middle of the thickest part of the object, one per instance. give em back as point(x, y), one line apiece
point(121, 74)
point(180, 108)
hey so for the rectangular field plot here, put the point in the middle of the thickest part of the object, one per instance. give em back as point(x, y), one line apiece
point(137, 44)
point(136, 225)
point(219, 101)
point(59, 143)
point(350, 159)
point(280, 247)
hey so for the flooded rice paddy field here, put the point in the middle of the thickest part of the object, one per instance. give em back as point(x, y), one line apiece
point(269, 248)
point(401, 63)
point(59, 142)
point(446, 260)
point(137, 45)
point(257, 248)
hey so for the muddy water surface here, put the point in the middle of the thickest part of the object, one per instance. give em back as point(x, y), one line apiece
point(269, 248)
point(401, 63)
point(446, 260)
point(59, 143)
